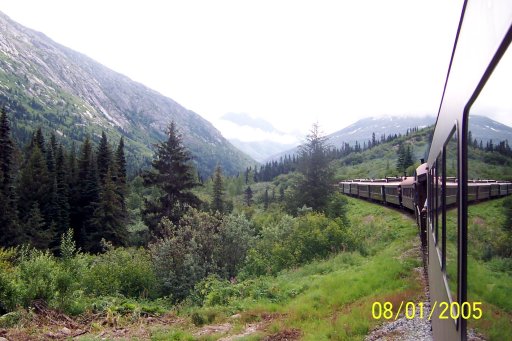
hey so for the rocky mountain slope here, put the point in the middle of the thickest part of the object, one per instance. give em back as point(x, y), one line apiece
point(46, 84)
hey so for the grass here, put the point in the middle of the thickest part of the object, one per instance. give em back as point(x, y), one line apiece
point(332, 299)
point(489, 276)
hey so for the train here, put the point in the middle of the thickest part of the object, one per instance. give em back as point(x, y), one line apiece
point(410, 192)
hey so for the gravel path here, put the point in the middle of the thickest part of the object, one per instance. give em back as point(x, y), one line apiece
point(416, 329)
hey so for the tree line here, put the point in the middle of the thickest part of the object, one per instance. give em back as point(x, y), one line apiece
point(46, 189)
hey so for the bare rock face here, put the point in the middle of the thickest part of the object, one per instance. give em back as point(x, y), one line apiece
point(46, 84)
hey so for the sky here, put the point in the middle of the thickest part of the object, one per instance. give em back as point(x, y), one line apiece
point(290, 63)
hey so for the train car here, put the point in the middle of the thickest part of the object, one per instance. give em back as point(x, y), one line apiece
point(376, 191)
point(354, 190)
point(408, 187)
point(510, 188)
point(345, 187)
point(495, 190)
point(503, 188)
point(363, 190)
point(472, 191)
point(484, 191)
point(451, 193)
point(392, 193)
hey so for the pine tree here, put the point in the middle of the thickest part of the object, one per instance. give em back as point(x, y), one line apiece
point(400, 162)
point(173, 174)
point(266, 200)
point(38, 233)
point(218, 191)
point(9, 227)
point(109, 219)
point(316, 186)
point(85, 195)
point(62, 193)
point(34, 185)
point(408, 158)
point(248, 196)
point(104, 157)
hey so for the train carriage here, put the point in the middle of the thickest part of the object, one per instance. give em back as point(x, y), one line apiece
point(408, 193)
point(451, 193)
point(495, 190)
point(392, 193)
point(484, 191)
point(363, 189)
point(503, 188)
point(354, 190)
point(472, 191)
point(376, 191)
point(345, 187)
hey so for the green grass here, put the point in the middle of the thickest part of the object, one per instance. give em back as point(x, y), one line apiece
point(332, 299)
point(489, 276)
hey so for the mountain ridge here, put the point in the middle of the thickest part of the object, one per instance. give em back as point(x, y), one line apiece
point(482, 128)
point(61, 88)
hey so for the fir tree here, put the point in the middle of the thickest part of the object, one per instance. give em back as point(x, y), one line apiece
point(218, 191)
point(316, 185)
point(104, 157)
point(248, 196)
point(109, 219)
point(9, 227)
point(38, 233)
point(400, 162)
point(266, 200)
point(86, 195)
point(173, 174)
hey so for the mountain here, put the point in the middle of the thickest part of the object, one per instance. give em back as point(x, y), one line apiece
point(260, 150)
point(43, 83)
point(481, 127)
point(255, 136)
point(485, 129)
point(362, 130)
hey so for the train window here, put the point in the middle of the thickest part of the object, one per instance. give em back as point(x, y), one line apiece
point(450, 216)
point(490, 157)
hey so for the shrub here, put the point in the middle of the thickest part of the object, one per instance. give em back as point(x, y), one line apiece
point(125, 271)
point(39, 273)
point(291, 242)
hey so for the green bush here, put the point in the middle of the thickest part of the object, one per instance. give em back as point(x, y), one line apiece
point(204, 244)
point(290, 242)
point(40, 274)
point(125, 271)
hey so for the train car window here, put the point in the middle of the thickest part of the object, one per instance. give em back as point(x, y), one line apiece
point(450, 212)
point(489, 237)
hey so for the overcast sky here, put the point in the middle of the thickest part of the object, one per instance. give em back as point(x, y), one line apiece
point(290, 63)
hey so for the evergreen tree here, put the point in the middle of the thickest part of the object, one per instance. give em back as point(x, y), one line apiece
point(408, 159)
point(104, 157)
point(85, 195)
point(266, 200)
point(34, 185)
point(62, 193)
point(9, 227)
point(173, 174)
point(316, 185)
point(38, 233)
point(109, 219)
point(400, 162)
point(218, 191)
point(248, 196)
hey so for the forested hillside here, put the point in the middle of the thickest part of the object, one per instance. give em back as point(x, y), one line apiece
point(44, 84)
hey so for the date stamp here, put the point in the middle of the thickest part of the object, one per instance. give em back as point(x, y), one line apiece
point(411, 310)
